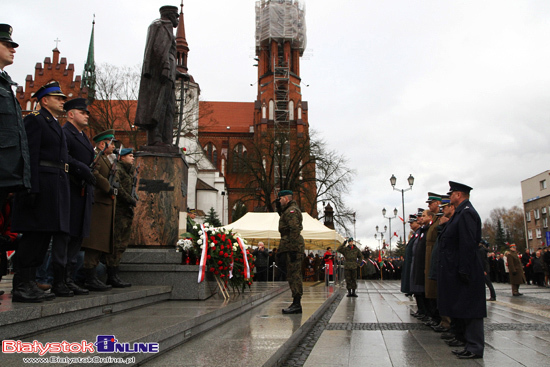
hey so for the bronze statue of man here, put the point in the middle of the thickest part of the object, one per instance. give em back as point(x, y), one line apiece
point(157, 94)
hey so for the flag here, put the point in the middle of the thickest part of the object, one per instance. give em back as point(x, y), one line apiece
point(400, 218)
point(395, 234)
point(379, 256)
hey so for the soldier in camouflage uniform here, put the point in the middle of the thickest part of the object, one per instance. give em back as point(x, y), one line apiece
point(124, 215)
point(292, 247)
point(353, 257)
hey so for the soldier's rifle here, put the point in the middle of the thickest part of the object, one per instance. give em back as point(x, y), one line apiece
point(112, 176)
point(135, 183)
point(93, 166)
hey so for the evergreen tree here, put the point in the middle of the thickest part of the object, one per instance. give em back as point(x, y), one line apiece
point(500, 236)
point(212, 218)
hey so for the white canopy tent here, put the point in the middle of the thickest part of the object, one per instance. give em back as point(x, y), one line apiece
point(256, 227)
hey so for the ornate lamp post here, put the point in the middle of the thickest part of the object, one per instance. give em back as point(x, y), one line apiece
point(389, 219)
point(381, 236)
point(393, 180)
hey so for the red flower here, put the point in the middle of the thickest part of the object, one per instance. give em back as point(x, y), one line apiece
point(221, 253)
point(216, 272)
point(220, 267)
point(208, 257)
point(220, 262)
point(222, 276)
point(225, 255)
point(212, 270)
point(221, 247)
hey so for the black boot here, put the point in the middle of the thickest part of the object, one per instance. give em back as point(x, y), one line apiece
point(59, 288)
point(78, 291)
point(353, 293)
point(349, 293)
point(295, 307)
point(93, 283)
point(24, 287)
point(114, 280)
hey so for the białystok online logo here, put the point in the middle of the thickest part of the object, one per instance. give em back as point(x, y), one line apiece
point(103, 344)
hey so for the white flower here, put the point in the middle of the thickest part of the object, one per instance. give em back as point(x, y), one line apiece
point(201, 233)
point(199, 242)
point(206, 224)
point(212, 245)
point(235, 247)
point(202, 246)
point(195, 227)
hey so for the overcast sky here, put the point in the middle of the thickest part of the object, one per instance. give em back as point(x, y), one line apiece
point(442, 90)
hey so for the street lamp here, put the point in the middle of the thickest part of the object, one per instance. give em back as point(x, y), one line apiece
point(354, 236)
point(381, 235)
point(389, 219)
point(393, 180)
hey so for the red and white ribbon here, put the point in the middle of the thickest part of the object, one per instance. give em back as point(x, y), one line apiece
point(202, 263)
point(246, 266)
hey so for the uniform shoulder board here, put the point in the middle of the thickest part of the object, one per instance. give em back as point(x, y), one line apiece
point(35, 113)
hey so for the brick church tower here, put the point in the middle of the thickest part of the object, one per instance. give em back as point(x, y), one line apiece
point(263, 147)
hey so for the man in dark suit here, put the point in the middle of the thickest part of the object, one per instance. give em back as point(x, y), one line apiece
point(44, 210)
point(81, 156)
point(460, 278)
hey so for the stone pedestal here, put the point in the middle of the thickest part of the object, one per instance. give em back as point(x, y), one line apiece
point(162, 191)
point(163, 267)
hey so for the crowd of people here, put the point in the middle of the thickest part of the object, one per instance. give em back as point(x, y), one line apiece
point(59, 194)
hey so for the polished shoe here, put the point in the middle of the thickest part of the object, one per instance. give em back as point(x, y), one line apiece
point(469, 355)
point(69, 282)
point(353, 294)
point(457, 352)
point(455, 343)
point(60, 289)
point(447, 336)
point(440, 329)
point(492, 299)
point(425, 318)
point(349, 293)
point(517, 294)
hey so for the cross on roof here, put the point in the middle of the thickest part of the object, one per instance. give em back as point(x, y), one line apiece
point(57, 40)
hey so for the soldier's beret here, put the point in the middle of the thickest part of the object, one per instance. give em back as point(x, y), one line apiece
point(433, 197)
point(126, 151)
point(76, 104)
point(50, 89)
point(284, 193)
point(105, 135)
point(455, 186)
point(350, 239)
point(5, 35)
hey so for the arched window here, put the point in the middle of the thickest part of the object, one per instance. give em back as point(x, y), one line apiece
point(271, 110)
point(29, 105)
point(291, 110)
point(211, 152)
point(240, 156)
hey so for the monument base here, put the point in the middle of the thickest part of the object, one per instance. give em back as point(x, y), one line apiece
point(162, 191)
point(163, 267)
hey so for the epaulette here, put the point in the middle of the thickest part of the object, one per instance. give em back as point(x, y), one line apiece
point(35, 113)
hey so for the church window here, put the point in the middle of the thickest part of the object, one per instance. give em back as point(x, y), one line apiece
point(291, 110)
point(240, 156)
point(271, 110)
point(211, 152)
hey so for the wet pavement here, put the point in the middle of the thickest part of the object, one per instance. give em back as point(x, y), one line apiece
point(375, 329)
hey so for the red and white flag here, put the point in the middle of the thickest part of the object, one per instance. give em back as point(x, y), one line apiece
point(202, 263)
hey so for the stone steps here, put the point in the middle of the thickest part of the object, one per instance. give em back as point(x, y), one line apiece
point(168, 323)
point(18, 320)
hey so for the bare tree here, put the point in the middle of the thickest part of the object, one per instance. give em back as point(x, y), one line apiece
point(305, 166)
point(511, 227)
point(116, 99)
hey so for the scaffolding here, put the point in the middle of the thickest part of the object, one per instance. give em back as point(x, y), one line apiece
point(281, 21)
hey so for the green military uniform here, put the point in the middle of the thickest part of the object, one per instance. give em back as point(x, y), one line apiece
point(292, 246)
point(124, 213)
point(353, 257)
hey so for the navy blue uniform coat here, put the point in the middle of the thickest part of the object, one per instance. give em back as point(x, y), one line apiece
point(81, 155)
point(50, 212)
point(459, 254)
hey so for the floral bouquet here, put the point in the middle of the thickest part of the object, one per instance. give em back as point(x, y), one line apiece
point(224, 254)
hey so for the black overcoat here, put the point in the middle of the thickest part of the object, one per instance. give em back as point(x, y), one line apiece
point(406, 269)
point(459, 254)
point(50, 210)
point(14, 152)
point(81, 155)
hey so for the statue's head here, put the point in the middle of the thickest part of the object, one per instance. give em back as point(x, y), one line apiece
point(170, 12)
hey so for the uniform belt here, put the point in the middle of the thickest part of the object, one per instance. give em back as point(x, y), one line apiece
point(61, 166)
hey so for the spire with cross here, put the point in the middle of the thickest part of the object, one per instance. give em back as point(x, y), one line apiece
point(57, 40)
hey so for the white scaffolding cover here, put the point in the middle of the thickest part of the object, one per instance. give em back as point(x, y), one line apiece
point(282, 20)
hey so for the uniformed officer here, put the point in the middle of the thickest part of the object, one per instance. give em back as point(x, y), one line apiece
point(460, 278)
point(124, 215)
point(101, 238)
point(353, 257)
point(44, 210)
point(81, 156)
point(292, 247)
point(15, 170)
